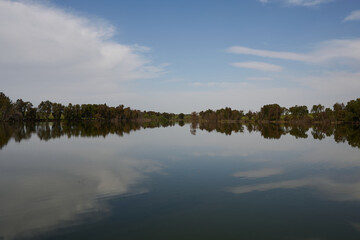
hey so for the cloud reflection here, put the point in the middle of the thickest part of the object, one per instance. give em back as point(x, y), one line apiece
point(335, 190)
point(265, 172)
point(41, 196)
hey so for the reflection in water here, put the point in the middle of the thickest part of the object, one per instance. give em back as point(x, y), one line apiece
point(274, 176)
point(342, 133)
point(46, 131)
point(341, 181)
point(42, 191)
point(332, 189)
point(265, 172)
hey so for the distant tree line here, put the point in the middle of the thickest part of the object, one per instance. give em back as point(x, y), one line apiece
point(52, 111)
point(274, 112)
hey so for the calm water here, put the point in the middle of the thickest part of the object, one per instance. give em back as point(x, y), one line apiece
point(103, 181)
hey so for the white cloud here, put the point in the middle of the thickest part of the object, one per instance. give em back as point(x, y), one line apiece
point(258, 66)
point(206, 84)
point(47, 53)
point(323, 87)
point(304, 3)
point(43, 47)
point(340, 51)
point(223, 85)
point(266, 53)
point(259, 78)
point(353, 16)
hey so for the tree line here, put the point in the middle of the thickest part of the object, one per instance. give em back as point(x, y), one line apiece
point(274, 112)
point(51, 111)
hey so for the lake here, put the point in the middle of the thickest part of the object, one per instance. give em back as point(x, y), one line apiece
point(94, 180)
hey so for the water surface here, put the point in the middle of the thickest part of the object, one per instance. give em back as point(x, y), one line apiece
point(230, 181)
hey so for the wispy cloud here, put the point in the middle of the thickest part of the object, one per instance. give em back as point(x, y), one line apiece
point(206, 84)
point(259, 78)
point(353, 16)
point(266, 53)
point(222, 85)
point(303, 3)
point(306, 3)
point(326, 51)
point(262, 66)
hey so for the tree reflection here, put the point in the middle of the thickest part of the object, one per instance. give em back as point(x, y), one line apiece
point(272, 131)
point(349, 133)
point(226, 128)
point(299, 131)
point(46, 131)
point(16, 131)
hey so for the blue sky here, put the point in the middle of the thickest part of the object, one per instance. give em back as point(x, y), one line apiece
point(181, 56)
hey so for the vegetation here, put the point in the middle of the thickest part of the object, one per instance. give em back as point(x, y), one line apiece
point(271, 112)
point(349, 113)
point(50, 111)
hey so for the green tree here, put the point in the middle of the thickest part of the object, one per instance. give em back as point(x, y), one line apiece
point(87, 111)
point(57, 110)
point(44, 110)
point(69, 112)
point(5, 107)
point(249, 114)
point(317, 111)
point(194, 116)
point(127, 113)
point(22, 107)
point(31, 113)
point(339, 112)
point(299, 112)
point(353, 110)
point(271, 112)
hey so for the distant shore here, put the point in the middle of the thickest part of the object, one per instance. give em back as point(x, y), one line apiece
point(272, 113)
